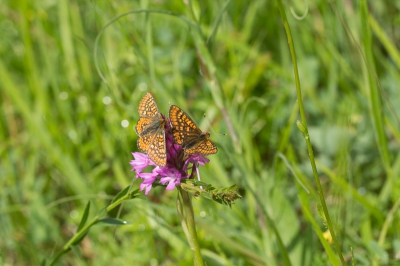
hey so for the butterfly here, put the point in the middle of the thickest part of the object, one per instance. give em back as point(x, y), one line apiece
point(151, 132)
point(187, 133)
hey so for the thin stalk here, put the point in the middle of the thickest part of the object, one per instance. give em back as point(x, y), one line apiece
point(84, 230)
point(118, 201)
point(388, 221)
point(181, 214)
point(304, 129)
point(374, 99)
point(150, 54)
point(189, 5)
point(190, 223)
point(80, 233)
point(384, 39)
point(270, 222)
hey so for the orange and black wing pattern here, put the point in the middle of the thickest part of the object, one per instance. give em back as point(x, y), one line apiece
point(205, 147)
point(188, 134)
point(151, 132)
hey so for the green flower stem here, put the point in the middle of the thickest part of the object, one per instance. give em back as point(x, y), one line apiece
point(181, 214)
point(114, 204)
point(190, 223)
point(81, 233)
point(374, 98)
point(304, 130)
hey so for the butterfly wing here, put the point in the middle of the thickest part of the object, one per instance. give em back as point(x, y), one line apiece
point(183, 138)
point(144, 142)
point(147, 106)
point(150, 128)
point(205, 147)
point(187, 134)
point(184, 129)
point(143, 124)
point(157, 151)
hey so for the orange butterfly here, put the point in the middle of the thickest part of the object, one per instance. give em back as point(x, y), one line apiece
point(187, 134)
point(151, 132)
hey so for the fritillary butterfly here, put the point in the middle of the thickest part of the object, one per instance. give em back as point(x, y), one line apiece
point(187, 133)
point(151, 132)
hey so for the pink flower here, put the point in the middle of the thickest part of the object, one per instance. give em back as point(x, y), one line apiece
point(176, 169)
point(140, 162)
point(196, 159)
point(171, 176)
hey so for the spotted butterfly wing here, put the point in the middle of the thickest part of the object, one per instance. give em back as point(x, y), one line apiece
point(147, 106)
point(205, 147)
point(187, 133)
point(151, 132)
point(184, 129)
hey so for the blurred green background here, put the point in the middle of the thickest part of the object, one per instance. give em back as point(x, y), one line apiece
point(67, 134)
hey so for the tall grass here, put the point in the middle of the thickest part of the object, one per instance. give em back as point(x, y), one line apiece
point(62, 142)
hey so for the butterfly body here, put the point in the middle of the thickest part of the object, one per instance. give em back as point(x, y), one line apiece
point(151, 125)
point(187, 134)
point(151, 131)
point(191, 144)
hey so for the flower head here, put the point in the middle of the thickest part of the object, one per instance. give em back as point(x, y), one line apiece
point(176, 169)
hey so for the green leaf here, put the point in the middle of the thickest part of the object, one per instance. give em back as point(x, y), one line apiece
point(114, 221)
point(84, 217)
point(76, 251)
point(379, 252)
point(121, 194)
point(79, 240)
point(140, 196)
point(58, 256)
point(136, 194)
point(102, 212)
point(199, 183)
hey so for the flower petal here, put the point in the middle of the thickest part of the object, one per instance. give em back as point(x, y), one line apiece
point(145, 186)
point(140, 162)
point(171, 185)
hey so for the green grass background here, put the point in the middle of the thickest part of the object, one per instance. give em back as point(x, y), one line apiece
point(62, 146)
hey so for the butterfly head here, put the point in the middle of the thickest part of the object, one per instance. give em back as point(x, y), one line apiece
point(205, 135)
point(161, 121)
